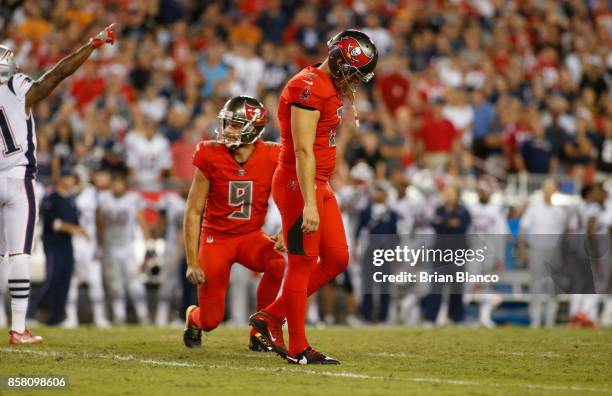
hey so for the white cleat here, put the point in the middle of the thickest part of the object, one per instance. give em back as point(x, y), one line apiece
point(102, 324)
point(69, 324)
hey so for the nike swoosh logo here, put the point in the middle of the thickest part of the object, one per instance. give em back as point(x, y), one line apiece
point(272, 338)
point(308, 82)
point(303, 360)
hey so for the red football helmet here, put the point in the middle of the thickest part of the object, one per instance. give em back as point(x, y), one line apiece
point(352, 53)
point(242, 120)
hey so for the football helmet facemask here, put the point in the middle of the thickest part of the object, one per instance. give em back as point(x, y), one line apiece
point(242, 120)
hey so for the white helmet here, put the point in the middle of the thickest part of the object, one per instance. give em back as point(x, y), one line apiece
point(8, 67)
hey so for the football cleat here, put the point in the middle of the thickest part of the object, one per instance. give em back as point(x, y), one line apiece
point(581, 320)
point(258, 344)
point(23, 338)
point(271, 330)
point(192, 336)
point(310, 356)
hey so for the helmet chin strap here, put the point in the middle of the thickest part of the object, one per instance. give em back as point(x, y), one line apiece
point(350, 91)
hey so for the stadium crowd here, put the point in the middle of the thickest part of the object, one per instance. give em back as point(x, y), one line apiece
point(468, 93)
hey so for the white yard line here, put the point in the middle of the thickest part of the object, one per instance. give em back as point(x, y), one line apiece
point(387, 354)
point(276, 370)
point(539, 354)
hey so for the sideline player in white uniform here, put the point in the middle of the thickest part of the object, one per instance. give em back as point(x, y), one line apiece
point(545, 224)
point(148, 157)
point(606, 314)
point(88, 268)
point(583, 309)
point(18, 93)
point(488, 228)
point(171, 209)
point(119, 213)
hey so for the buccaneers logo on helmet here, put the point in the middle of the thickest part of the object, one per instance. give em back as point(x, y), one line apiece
point(353, 53)
point(257, 115)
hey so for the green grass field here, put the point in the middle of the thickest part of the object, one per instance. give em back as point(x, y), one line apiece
point(150, 361)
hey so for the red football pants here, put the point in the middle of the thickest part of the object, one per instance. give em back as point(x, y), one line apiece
point(255, 251)
point(315, 258)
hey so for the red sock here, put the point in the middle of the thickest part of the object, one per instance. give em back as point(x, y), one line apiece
point(295, 298)
point(269, 285)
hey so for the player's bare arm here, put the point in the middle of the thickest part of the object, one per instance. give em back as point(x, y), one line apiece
point(303, 128)
point(43, 87)
point(198, 193)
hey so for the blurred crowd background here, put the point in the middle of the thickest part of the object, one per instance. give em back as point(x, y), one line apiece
point(505, 93)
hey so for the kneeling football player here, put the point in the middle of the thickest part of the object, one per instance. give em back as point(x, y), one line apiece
point(231, 188)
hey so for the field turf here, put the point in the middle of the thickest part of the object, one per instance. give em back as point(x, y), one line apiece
point(375, 361)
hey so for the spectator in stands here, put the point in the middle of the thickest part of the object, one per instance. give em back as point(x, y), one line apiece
point(248, 67)
point(272, 21)
point(460, 113)
point(392, 83)
point(369, 152)
point(437, 139)
point(580, 153)
point(604, 153)
point(213, 69)
point(486, 139)
point(536, 154)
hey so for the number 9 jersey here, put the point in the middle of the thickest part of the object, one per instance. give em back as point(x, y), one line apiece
point(238, 195)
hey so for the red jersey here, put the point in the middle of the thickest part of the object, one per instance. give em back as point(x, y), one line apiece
point(238, 196)
point(311, 89)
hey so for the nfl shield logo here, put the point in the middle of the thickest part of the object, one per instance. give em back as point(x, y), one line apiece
point(240, 172)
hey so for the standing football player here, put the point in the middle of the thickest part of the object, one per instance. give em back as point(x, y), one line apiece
point(88, 268)
point(18, 93)
point(231, 187)
point(488, 228)
point(171, 208)
point(309, 112)
point(119, 213)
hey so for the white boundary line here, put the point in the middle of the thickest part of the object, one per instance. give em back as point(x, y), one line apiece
point(276, 370)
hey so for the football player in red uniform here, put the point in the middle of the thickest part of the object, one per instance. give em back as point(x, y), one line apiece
point(309, 112)
point(231, 188)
